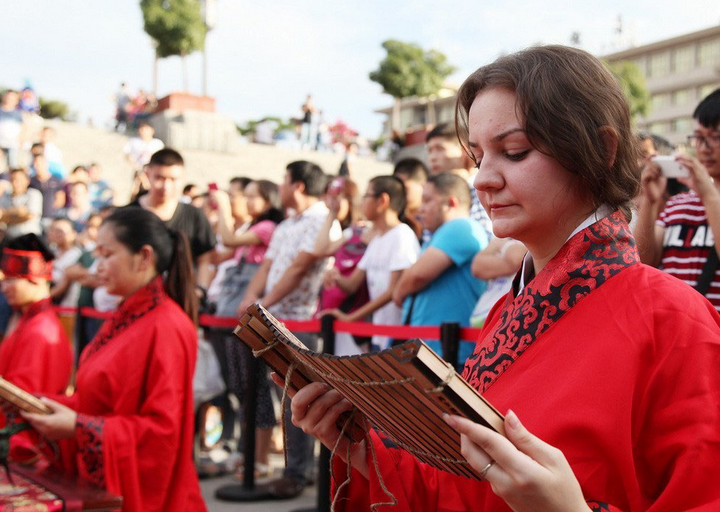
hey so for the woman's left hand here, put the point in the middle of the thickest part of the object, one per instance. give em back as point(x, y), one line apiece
point(529, 474)
point(60, 424)
point(699, 180)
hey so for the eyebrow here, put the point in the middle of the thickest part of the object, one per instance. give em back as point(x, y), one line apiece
point(500, 137)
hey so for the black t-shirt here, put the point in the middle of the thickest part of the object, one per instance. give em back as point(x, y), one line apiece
point(191, 221)
point(48, 189)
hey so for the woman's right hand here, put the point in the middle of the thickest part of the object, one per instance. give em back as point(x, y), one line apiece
point(653, 183)
point(330, 278)
point(221, 199)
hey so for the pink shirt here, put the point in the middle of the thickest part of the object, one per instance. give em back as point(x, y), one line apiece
point(255, 253)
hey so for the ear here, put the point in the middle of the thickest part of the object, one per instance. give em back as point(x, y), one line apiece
point(299, 186)
point(452, 201)
point(609, 138)
point(146, 258)
point(384, 199)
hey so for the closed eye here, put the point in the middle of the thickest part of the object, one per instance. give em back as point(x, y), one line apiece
point(516, 157)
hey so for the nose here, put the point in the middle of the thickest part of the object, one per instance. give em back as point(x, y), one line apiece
point(488, 177)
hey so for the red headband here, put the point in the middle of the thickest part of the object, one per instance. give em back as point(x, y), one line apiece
point(26, 264)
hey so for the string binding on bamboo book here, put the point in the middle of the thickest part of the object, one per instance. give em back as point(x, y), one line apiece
point(402, 391)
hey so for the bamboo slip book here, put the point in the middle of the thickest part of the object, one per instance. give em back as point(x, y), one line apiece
point(21, 398)
point(402, 391)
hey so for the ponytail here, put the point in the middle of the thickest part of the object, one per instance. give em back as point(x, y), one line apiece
point(180, 279)
point(135, 228)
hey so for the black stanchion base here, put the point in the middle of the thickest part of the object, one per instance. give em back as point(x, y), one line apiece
point(236, 492)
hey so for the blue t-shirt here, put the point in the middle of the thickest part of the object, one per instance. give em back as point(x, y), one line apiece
point(453, 295)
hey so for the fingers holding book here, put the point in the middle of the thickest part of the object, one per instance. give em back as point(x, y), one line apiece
point(528, 473)
point(59, 424)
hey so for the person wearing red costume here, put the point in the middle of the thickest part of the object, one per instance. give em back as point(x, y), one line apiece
point(611, 364)
point(129, 425)
point(36, 355)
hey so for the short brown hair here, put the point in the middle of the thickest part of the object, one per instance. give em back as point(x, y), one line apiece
point(564, 96)
point(448, 184)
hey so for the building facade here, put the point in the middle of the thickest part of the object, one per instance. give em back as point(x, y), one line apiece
point(679, 72)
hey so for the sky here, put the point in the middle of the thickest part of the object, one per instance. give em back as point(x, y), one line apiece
point(264, 57)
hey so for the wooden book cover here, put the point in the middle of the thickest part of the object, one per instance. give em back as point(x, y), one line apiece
point(403, 391)
point(21, 398)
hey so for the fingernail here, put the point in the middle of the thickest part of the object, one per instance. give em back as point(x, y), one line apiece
point(449, 419)
point(512, 420)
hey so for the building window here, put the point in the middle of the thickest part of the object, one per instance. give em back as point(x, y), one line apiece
point(709, 53)
point(659, 64)
point(684, 59)
point(706, 89)
point(658, 128)
point(681, 97)
point(682, 125)
point(660, 101)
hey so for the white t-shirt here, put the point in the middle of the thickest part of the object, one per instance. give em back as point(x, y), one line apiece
point(395, 250)
point(140, 151)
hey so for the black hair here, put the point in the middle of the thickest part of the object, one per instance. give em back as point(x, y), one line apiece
point(31, 242)
point(187, 188)
point(310, 174)
point(448, 184)
point(707, 112)
point(270, 193)
point(135, 227)
point(79, 168)
point(394, 188)
point(445, 130)
point(413, 169)
point(16, 170)
point(242, 181)
point(166, 157)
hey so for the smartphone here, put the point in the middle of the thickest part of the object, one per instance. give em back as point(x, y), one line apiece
point(670, 167)
point(213, 204)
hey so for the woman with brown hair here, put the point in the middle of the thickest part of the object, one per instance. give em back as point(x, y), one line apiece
point(611, 364)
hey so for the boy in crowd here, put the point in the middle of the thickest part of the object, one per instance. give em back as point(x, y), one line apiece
point(414, 174)
point(445, 154)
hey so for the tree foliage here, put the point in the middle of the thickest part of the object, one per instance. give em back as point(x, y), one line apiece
point(53, 109)
point(250, 126)
point(408, 70)
point(632, 83)
point(176, 26)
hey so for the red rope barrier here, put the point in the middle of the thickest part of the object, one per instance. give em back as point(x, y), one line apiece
point(357, 328)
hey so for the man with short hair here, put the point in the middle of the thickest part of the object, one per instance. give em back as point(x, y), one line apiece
point(80, 207)
point(52, 153)
point(101, 194)
point(288, 284)
point(445, 154)
point(51, 187)
point(680, 234)
point(440, 286)
point(414, 175)
point(166, 173)
point(21, 208)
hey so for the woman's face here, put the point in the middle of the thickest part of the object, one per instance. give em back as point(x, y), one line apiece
point(119, 270)
point(527, 194)
point(255, 203)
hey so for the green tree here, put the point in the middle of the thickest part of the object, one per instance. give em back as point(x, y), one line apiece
point(408, 70)
point(176, 28)
point(52, 109)
point(632, 83)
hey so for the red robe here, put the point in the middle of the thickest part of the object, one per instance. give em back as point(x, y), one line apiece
point(611, 361)
point(37, 357)
point(134, 401)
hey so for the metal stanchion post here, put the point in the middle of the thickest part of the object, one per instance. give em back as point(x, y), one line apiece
point(450, 342)
point(327, 331)
point(247, 491)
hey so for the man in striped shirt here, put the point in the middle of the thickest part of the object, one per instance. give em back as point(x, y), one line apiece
point(677, 235)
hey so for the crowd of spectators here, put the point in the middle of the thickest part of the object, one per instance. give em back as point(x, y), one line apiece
point(412, 248)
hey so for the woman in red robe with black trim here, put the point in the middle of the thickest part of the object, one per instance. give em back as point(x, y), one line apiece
point(611, 365)
point(129, 425)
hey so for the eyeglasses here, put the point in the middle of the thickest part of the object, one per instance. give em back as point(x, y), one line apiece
point(712, 142)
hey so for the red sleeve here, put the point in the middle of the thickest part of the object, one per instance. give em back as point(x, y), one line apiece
point(122, 451)
point(42, 362)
